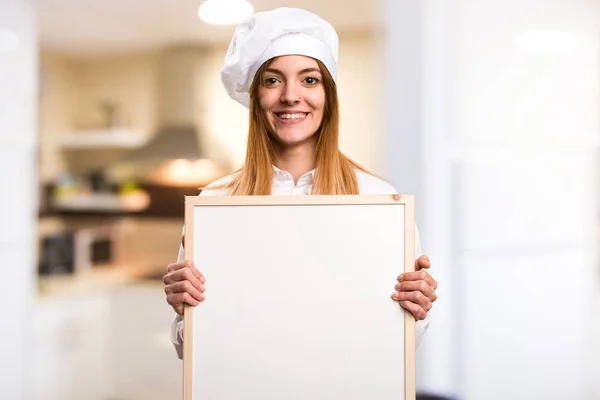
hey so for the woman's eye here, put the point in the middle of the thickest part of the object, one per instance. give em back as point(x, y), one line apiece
point(270, 81)
point(310, 80)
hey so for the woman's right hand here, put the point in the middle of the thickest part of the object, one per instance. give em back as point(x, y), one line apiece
point(184, 284)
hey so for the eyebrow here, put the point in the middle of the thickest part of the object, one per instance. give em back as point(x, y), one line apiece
point(305, 70)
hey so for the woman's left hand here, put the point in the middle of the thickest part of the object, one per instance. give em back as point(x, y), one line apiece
point(415, 291)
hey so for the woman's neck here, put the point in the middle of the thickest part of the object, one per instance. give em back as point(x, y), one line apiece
point(297, 160)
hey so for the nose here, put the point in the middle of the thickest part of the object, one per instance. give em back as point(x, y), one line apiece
point(291, 94)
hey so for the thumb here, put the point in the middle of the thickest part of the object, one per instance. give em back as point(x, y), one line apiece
point(422, 263)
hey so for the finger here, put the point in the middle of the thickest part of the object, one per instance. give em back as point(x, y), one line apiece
point(179, 309)
point(179, 299)
point(182, 275)
point(186, 264)
point(185, 286)
point(422, 262)
point(414, 297)
point(196, 272)
point(176, 266)
point(421, 286)
point(188, 299)
point(417, 311)
point(418, 276)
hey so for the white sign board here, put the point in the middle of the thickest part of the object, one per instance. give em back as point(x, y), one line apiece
point(298, 298)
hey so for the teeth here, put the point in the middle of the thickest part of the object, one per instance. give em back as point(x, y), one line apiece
point(291, 116)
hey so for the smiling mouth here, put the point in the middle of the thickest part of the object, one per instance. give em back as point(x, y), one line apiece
point(292, 117)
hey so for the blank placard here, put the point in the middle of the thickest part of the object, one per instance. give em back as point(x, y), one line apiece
point(298, 299)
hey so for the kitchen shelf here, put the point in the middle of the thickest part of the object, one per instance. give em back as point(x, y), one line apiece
point(102, 203)
point(121, 138)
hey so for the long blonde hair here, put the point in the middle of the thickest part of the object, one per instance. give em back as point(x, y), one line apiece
point(334, 172)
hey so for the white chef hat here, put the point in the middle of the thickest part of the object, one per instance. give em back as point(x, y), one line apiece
point(282, 31)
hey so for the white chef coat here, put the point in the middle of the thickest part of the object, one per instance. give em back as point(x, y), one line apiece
point(283, 184)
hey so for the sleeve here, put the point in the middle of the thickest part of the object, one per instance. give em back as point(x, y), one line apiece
point(422, 325)
point(176, 333)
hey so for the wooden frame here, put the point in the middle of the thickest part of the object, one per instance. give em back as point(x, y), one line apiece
point(407, 201)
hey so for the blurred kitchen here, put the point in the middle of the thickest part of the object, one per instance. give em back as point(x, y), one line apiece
point(112, 111)
point(133, 117)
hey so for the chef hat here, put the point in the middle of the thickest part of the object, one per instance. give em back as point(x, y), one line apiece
point(282, 31)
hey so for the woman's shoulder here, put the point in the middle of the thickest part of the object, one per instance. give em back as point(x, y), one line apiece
point(371, 184)
point(218, 187)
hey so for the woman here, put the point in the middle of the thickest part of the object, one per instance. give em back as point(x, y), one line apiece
point(281, 64)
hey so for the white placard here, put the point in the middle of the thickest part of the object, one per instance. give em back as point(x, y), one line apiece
point(298, 298)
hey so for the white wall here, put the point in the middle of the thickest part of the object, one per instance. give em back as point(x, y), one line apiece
point(131, 81)
point(58, 92)
point(18, 116)
point(505, 140)
point(415, 152)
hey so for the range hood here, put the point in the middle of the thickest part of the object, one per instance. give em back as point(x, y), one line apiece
point(175, 152)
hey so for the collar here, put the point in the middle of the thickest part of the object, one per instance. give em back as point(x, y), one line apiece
point(280, 175)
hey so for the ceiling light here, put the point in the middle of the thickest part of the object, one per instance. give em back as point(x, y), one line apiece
point(225, 12)
point(548, 42)
point(9, 41)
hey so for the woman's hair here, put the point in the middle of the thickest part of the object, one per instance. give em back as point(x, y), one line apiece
point(334, 172)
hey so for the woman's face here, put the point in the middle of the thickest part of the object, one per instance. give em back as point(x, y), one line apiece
point(292, 96)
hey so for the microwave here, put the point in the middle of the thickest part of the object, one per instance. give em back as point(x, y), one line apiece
point(94, 246)
point(68, 252)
